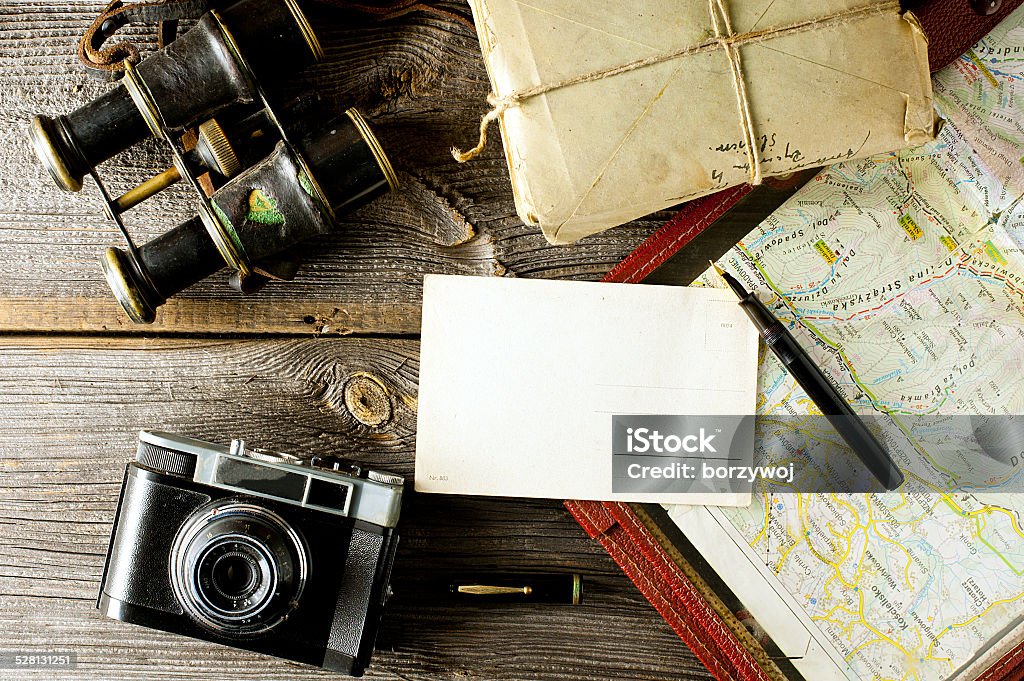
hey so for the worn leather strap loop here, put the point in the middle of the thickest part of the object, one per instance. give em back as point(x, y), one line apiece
point(116, 15)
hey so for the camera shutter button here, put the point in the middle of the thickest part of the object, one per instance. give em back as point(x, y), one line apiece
point(385, 478)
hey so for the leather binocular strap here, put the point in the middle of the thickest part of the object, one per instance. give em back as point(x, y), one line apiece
point(116, 15)
point(166, 13)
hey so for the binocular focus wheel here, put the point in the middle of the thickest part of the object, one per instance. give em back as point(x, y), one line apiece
point(216, 149)
point(120, 275)
point(51, 150)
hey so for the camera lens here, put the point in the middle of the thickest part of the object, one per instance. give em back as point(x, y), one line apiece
point(235, 575)
point(238, 568)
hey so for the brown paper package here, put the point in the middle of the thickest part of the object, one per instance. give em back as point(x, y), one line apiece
point(610, 111)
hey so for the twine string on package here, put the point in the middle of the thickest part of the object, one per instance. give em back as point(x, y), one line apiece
point(724, 39)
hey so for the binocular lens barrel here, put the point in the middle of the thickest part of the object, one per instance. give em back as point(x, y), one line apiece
point(273, 35)
point(266, 210)
point(173, 261)
point(69, 146)
point(348, 162)
point(186, 82)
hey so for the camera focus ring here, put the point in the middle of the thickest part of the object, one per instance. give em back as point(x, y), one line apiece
point(238, 568)
point(166, 460)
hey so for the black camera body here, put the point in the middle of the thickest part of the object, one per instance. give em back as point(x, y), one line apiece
point(254, 550)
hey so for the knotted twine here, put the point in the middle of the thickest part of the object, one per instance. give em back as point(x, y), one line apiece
point(725, 39)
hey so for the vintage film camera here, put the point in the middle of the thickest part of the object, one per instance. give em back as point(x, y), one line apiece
point(253, 549)
point(265, 177)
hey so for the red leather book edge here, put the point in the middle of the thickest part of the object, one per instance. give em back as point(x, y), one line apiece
point(631, 545)
point(691, 220)
point(672, 595)
point(1010, 667)
point(687, 596)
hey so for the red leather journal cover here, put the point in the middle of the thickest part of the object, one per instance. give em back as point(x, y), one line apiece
point(686, 605)
point(952, 26)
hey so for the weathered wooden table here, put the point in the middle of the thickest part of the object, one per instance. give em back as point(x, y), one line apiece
point(325, 363)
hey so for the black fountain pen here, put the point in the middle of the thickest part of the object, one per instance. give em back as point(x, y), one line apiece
point(799, 364)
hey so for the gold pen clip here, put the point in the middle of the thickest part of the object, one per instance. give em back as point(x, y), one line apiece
point(488, 590)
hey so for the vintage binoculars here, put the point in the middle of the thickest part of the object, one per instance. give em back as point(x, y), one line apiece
point(266, 176)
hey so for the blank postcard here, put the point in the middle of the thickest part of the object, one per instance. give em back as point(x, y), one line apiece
point(520, 379)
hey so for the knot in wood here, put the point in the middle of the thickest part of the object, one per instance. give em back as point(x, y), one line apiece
point(367, 399)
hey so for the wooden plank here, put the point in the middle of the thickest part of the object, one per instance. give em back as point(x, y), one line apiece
point(420, 80)
point(71, 408)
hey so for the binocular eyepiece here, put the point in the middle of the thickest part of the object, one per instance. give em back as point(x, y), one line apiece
point(264, 183)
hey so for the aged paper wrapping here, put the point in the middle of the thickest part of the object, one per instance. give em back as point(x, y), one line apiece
point(610, 111)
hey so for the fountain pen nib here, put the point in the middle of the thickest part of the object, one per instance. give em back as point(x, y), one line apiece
point(730, 281)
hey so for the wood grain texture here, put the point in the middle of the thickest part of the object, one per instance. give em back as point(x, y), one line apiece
point(71, 409)
point(421, 82)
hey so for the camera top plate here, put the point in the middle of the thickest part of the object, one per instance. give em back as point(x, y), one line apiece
point(287, 479)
